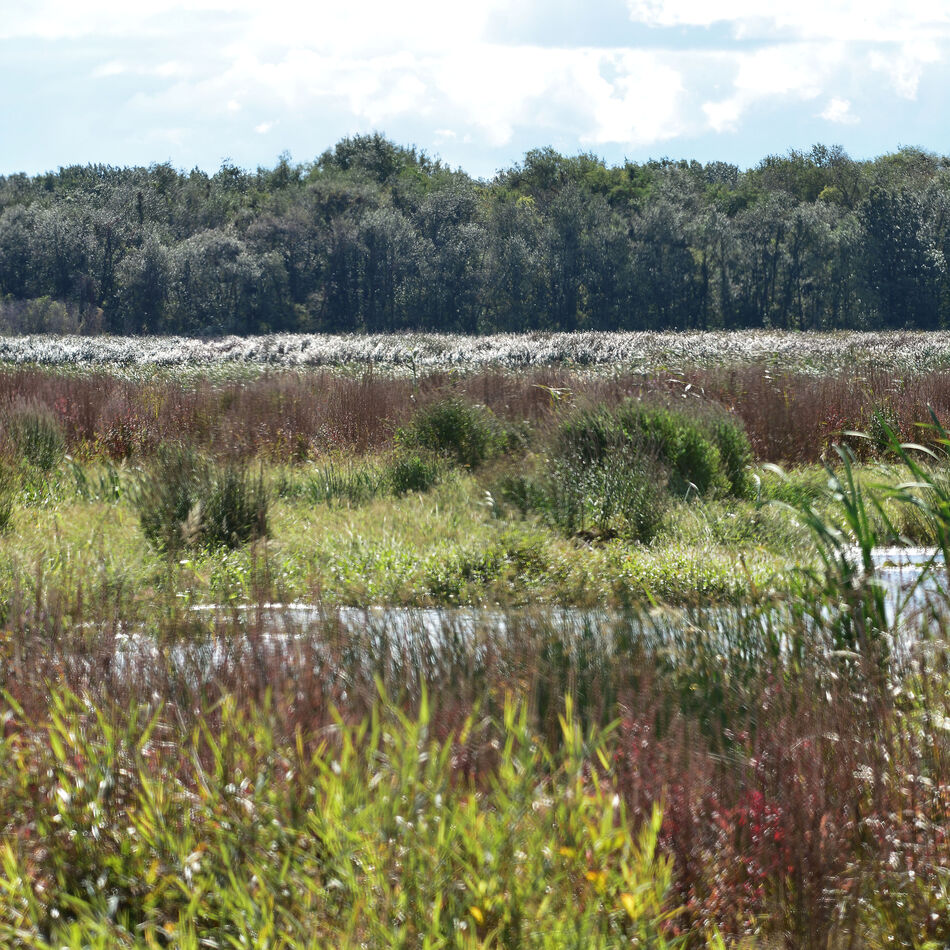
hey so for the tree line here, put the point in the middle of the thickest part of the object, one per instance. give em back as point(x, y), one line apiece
point(374, 237)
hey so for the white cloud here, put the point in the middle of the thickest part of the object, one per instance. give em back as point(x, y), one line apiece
point(880, 21)
point(489, 90)
point(640, 106)
point(723, 116)
point(368, 25)
point(839, 110)
point(172, 69)
point(904, 67)
point(496, 88)
point(427, 65)
point(897, 38)
point(792, 72)
point(112, 68)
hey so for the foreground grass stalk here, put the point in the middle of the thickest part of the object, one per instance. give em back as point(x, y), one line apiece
point(370, 839)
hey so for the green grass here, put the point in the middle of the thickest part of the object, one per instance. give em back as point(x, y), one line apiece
point(237, 837)
point(453, 544)
point(446, 546)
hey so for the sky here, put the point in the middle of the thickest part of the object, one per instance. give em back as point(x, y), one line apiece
point(477, 84)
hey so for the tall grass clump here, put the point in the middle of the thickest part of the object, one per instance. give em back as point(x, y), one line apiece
point(146, 833)
point(36, 436)
point(8, 489)
point(185, 500)
point(356, 482)
point(619, 496)
point(465, 433)
point(348, 483)
point(412, 471)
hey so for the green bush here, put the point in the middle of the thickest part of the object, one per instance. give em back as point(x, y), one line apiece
point(678, 440)
point(466, 433)
point(167, 498)
point(735, 453)
point(699, 454)
point(883, 426)
point(184, 500)
point(610, 471)
point(589, 435)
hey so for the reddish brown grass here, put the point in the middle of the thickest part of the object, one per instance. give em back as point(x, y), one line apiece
point(290, 416)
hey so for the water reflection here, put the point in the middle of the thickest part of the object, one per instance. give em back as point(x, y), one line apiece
point(913, 582)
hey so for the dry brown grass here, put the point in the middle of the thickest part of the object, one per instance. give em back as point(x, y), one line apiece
point(292, 415)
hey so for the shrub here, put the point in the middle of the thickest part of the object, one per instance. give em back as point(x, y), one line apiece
point(676, 440)
point(735, 453)
point(622, 495)
point(466, 433)
point(184, 500)
point(609, 469)
point(589, 434)
point(883, 427)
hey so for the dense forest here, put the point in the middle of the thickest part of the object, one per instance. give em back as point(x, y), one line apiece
point(375, 237)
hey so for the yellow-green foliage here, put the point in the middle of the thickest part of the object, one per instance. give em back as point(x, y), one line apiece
point(122, 833)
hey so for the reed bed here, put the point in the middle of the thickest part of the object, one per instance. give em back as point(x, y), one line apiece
point(295, 415)
point(411, 353)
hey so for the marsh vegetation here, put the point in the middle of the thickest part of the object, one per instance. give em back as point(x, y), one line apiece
point(777, 776)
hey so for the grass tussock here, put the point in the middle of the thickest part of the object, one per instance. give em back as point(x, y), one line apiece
point(9, 478)
point(32, 433)
point(184, 500)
